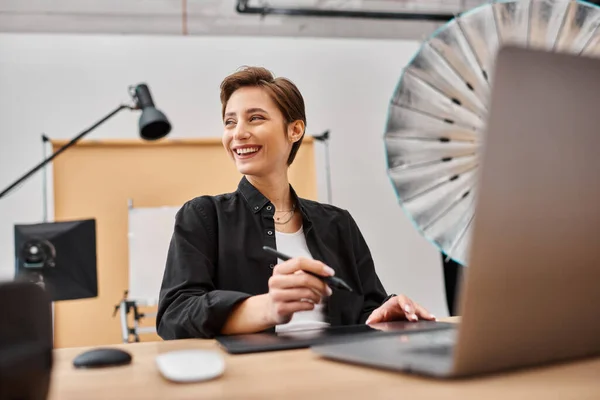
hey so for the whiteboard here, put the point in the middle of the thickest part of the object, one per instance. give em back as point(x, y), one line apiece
point(150, 231)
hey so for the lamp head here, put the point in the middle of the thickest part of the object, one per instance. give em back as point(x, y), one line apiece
point(322, 137)
point(153, 124)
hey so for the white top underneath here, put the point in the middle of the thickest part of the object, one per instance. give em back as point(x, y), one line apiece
point(294, 245)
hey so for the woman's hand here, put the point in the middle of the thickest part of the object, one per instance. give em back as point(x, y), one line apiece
point(398, 308)
point(291, 290)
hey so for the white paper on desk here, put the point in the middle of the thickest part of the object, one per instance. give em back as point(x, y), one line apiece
point(150, 231)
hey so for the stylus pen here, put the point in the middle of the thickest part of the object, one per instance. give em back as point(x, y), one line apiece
point(331, 281)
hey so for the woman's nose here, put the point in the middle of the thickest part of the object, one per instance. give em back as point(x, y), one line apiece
point(241, 132)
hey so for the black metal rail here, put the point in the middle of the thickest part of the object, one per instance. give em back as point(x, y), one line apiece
point(243, 7)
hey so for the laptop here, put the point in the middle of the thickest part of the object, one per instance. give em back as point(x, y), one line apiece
point(531, 294)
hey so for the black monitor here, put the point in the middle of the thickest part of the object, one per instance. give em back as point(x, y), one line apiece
point(60, 256)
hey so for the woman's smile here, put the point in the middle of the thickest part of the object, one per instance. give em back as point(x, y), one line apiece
point(246, 152)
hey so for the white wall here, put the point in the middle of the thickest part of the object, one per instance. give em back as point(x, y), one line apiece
point(61, 84)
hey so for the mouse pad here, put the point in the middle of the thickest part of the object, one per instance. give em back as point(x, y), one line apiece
point(272, 341)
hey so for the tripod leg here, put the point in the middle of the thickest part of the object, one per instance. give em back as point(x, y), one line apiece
point(124, 328)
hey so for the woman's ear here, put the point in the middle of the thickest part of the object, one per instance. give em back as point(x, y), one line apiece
point(296, 130)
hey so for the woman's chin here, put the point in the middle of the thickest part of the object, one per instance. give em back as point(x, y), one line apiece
point(247, 169)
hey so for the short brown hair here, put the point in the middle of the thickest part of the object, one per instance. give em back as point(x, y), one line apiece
point(283, 92)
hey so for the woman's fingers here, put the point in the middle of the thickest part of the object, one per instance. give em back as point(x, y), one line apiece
point(292, 288)
point(399, 307)
point(299, 280)
point(407, 307)
point(303, 264)
point(376, 316)
point(424, 314)
point(412, 310)
point(322, 286)
point(298, 294)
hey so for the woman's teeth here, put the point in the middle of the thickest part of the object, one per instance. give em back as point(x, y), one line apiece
point(247, 150)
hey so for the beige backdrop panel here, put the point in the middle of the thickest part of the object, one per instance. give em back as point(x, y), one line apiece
point(95, 179)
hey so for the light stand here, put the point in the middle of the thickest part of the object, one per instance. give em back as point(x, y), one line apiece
point(324, 137)
point(45, 140)
point(153, 125)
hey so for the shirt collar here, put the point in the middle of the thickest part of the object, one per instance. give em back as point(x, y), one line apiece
point(256, 200)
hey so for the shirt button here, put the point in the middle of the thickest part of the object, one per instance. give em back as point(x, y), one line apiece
point(256, 207)
point(269, 208)
point(271, 266)
point(270, 233)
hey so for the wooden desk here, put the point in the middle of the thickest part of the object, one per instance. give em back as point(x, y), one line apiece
point(301, 374)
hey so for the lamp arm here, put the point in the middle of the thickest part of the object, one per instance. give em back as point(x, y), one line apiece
point(63, 148)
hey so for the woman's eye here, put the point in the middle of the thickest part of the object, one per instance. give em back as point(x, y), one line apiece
point(229, 122)
point(256, 117)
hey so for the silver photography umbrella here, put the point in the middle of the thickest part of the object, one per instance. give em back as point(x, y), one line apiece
point(436, 118)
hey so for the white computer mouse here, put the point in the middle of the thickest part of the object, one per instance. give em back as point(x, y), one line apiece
point(190, 365)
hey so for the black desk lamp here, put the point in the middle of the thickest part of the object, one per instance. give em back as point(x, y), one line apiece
point(153, 125)
point(40, 256)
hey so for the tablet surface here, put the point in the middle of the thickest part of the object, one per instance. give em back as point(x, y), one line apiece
point(271, 341)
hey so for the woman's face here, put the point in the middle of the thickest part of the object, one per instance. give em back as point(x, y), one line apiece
point(256, 136)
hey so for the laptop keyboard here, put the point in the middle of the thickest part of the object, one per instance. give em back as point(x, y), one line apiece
point(435, 343)
point(440, 351)
point(442, 338)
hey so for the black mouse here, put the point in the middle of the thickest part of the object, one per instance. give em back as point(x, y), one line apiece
point(103, 357)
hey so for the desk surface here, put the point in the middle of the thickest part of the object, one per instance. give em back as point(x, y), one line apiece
point(301, 374)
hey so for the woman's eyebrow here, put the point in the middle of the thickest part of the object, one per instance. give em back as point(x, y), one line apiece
point(255, 109)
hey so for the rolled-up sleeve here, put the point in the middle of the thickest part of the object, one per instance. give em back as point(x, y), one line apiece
point(190, 306)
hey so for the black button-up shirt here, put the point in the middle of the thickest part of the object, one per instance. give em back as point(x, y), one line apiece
point(215, 261)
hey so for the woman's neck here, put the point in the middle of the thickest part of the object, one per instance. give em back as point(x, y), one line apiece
point(276, 189)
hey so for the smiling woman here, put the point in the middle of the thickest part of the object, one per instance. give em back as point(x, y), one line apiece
point(219, 281)
point(277, 105)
